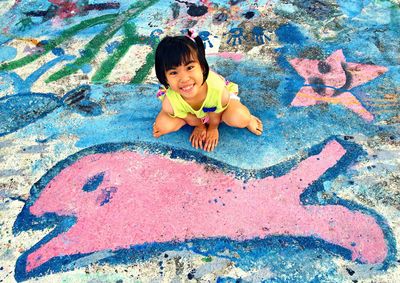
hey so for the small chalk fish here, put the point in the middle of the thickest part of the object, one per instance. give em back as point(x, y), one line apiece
point(121, 197)
point(22, 109)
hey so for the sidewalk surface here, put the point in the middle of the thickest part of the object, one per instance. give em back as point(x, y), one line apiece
point(88, 195)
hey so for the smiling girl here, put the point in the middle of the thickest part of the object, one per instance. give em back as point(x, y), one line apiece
point(196, 96)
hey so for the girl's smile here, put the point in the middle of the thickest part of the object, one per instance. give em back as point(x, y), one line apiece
point(187, 88)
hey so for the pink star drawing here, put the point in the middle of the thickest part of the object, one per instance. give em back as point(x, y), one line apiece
point(331, 80)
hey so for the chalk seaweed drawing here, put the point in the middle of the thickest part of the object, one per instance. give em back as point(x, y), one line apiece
point(22, 109)
point(118, 196)
point(131, 38)
point(24, 85)
point(331, 80)
point(114, 23)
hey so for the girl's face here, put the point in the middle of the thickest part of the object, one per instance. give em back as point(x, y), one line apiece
point(186, 79)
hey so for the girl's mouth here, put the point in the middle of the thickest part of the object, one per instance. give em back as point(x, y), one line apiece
point(187, 88)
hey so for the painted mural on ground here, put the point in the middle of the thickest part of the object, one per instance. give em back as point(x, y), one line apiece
point(87, 193)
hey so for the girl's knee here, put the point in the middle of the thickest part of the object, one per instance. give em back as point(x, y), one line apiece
point(191, 121)
point(243, 118)
point(167, 126)
point(238, 118)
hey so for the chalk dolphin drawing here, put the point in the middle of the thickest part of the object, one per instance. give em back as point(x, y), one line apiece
point(20, 110)
point(120, 196)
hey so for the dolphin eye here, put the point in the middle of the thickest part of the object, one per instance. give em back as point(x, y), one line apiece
point(93, 182)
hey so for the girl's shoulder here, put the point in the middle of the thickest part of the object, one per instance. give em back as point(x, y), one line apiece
point(215, 80)
point(167, 107)
point(214, 76)
point(218, 81)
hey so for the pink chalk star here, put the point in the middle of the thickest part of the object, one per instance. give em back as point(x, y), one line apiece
point(331, 80)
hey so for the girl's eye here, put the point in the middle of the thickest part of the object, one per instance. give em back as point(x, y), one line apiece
point(172, 73)
point(190, 67)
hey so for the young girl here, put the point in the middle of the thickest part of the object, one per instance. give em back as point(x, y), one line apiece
point(194, 95)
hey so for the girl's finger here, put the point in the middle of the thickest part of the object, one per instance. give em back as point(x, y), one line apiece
point(197, 142)
point(206, 145)
point(200, 143)
point(193, 142)
point(213, 145)
point(210, 146)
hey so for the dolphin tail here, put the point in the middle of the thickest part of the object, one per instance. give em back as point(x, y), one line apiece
point(78, 99)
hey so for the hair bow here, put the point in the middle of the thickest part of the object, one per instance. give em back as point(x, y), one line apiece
point(192, 34)
point(161, 91)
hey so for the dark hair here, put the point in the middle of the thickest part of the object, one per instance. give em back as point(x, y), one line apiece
point(174, 51)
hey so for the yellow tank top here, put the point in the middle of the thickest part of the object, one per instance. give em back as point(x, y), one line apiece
point(212, 103)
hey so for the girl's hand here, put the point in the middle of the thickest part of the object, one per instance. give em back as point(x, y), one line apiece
point(211, 139)
point(198, 136)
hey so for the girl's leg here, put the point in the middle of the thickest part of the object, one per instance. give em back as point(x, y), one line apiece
point(237, 115)
point(192, 120)
point(165, 124)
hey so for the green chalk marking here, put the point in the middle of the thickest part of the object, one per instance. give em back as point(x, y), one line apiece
point(93, 47)
point(25, 23)
point(207, 259)
point(57, 41)
point(131, 38)
point(109, 64)
point(144, 69)
point(130, 30)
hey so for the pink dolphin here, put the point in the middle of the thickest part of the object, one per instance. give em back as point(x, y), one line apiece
point(145, 198)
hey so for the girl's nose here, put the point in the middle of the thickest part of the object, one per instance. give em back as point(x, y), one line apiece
point(184, 77)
